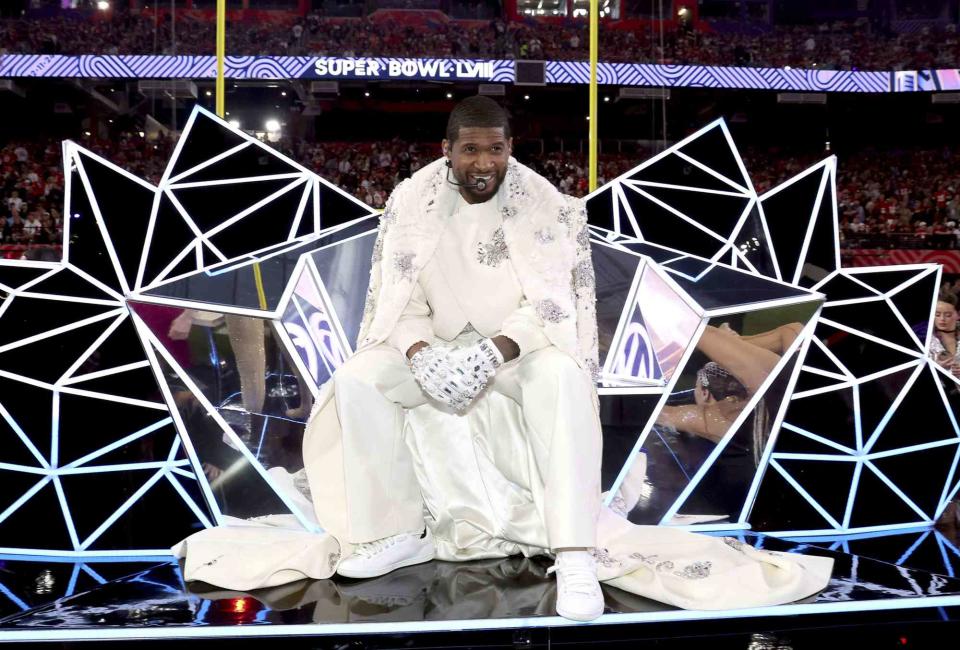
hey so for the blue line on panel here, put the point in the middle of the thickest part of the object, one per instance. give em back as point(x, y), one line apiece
point(906, 556)
point(16, 601)
point(948, 565)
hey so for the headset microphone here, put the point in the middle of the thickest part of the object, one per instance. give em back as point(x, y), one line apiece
point(479, 185)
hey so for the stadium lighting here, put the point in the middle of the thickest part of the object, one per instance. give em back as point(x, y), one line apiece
point(606, 98)
point(272, 126)
point(683, 12)
point(526, 96)
point(283, 93)
point(209, 93)
point(103, 5)
point(366, 94)
point(449, 95)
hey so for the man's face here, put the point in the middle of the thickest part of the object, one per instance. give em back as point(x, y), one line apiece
point(479, 152)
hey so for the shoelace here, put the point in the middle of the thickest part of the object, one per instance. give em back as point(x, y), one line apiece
point(577, 579)
point(370, 549)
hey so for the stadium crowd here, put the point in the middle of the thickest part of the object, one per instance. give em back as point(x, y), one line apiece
point(839, 45)
point(889, 198)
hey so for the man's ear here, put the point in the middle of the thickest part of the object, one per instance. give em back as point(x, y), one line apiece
point(445, 147)
point(509, 146)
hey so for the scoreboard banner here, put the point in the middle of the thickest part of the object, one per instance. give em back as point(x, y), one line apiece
point(495, 71)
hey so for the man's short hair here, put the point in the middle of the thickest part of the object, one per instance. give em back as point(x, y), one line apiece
point(478, 112)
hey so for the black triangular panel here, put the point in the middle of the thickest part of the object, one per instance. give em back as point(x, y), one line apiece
point(37, 524)
point(32, 409)
point(875, 318)
point(210, 206)
point(859, 355)
point(187, 266)
point(192, 488)
point(14, 485)
point(753, 244)
point(828, 482)
point(884, 281)
point(66, 282)
point(841, 287)
point(125, 207)
point(271, 223)
point(829, 415)
point(718, 212)
point(151, 447)
point(921, 475)
point(821, 257)
point(58, 352)
point(13, 450)
point(26, 317)
point(87, 250)
point(921, 417)
point(171, 235)
point(206, 139)
point(138, 383)
point(674, 170)
point(88, 424)
point(791, 442)
point(120, 348)
point(249, 161)
point(817, 358)
point(111, 490)
point(713, 150)
point(875, 504)
point(779, 506)
point(660, 226)
point(14, 276)
point(139, 527)
point(306, 222)
point(876, 397)
point(812, 381)
point(335, 208)
point(788, 214)
point(915, 304)
point(600, 209)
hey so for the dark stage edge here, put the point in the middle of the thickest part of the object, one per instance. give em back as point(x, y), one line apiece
point(152, 602)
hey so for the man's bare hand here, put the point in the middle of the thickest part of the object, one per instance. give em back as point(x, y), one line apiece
point(416, 347)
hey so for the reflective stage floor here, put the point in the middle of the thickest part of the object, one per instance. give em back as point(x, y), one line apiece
point(890, 584)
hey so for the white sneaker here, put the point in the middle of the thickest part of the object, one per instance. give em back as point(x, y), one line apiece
point(384, 555)
point(579, 596)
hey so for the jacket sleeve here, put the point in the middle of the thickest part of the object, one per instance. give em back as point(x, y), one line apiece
point(583, 283)
point(525, 328)
point(415, 323)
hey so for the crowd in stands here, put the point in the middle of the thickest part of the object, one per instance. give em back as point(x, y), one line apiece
point(31, 185)
point(888, 198)
point(841, 45)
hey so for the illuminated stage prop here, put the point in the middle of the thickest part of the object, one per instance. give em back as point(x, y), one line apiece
point(694, 270)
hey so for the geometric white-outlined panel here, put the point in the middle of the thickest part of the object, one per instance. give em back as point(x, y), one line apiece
point(871, 439)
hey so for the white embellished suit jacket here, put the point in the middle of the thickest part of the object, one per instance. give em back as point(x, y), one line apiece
point(547, 241)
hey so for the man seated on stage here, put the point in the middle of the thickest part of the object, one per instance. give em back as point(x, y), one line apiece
point(482, 283)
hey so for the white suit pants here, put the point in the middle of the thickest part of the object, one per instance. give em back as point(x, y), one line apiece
point(374, 388)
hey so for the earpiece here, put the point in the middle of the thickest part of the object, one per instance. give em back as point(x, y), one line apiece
point(449, 163)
